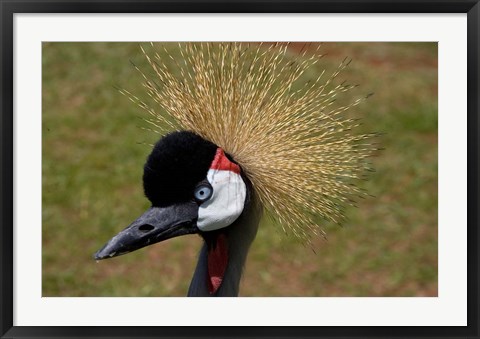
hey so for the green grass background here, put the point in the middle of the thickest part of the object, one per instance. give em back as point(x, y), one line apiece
point(94, 147)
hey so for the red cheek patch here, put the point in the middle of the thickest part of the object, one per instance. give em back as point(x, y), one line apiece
point(221, 162)
point(217, 263)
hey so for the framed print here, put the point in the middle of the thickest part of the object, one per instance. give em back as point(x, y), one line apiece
point(317, 160)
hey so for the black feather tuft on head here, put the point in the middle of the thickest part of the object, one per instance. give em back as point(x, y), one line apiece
point(178, 162)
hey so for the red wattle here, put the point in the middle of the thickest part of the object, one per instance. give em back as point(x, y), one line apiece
point(217, 263)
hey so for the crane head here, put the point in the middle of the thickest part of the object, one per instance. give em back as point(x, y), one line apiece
point(193, 187)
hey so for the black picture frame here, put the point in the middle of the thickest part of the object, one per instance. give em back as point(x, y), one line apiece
point(10, 7)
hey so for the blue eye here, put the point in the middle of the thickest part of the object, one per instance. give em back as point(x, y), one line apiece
point(203, 192)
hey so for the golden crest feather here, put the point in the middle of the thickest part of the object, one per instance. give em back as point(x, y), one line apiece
point(295, 144)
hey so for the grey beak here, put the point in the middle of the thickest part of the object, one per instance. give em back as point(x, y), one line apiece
point(155, 225)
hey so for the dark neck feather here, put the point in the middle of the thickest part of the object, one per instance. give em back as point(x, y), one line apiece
point(240, 236)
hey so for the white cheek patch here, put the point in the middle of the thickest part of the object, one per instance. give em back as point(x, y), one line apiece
point(228, 198)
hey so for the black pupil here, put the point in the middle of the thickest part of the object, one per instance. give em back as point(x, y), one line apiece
point(201, 192)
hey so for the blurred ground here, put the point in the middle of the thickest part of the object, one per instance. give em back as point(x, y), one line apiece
point(92, 162)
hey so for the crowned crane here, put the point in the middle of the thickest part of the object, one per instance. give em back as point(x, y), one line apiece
point(194, 187)
point(244, 142)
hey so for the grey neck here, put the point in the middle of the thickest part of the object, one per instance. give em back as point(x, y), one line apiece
point(240, 236)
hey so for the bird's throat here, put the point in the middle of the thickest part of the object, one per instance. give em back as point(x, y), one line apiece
point(217, 259)
point(223, 255)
